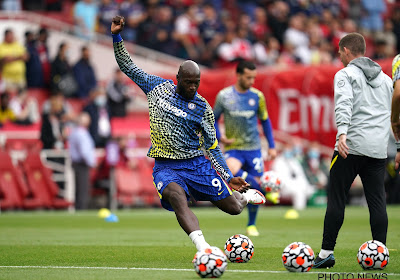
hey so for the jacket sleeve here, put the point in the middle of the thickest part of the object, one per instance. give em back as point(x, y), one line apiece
point(145, 81)
point(211, 146)
point(343, 101)
point(265, 121)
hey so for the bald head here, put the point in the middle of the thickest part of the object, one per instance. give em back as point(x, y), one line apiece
point(190, 67)
point(188, 78)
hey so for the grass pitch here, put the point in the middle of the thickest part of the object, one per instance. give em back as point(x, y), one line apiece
point(149, 244)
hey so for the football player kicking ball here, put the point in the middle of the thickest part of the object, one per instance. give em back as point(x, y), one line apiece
point(181, 123)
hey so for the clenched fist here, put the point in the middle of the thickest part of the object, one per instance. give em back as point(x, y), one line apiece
point(117, 24)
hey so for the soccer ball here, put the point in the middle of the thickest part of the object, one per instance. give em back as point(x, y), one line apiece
point(298, 257)
point(373, 254)
point(210, 262)
point(239, 248)
point(270, 181)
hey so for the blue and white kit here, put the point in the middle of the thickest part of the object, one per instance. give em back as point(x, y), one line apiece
point(180, 129)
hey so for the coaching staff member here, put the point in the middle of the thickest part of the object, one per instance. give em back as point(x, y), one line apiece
point(363, 95)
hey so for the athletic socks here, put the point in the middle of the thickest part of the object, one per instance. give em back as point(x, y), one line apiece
point(253, 210)
point(323, 254)
point(198, 240)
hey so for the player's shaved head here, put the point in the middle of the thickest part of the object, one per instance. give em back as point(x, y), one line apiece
point(189, 67)
point(188, 78)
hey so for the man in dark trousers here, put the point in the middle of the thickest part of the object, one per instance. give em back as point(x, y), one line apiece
point(83, 156)
point(363, 96)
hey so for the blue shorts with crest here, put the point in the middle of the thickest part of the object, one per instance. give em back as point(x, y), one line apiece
point(252, 160)
point(196, 176)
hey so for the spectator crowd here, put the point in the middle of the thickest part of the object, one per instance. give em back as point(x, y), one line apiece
point(217, 33)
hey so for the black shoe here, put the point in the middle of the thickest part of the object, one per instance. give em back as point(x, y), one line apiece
point(324, 263)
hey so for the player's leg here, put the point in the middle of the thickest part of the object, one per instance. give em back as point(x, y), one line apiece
point(372, 177)
point(251, 171)
point(342, 175)
point(235, 203)
point(176, 196)
point(251, 229)
point(235, 161)
point(235, 165)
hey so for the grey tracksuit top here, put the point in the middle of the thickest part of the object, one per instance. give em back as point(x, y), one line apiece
point(363, 96)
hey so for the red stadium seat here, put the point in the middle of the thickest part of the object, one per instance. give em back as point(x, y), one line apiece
point(41, 185)
point(148, 191)
point(14, 191)
point(135, 186)
point(23, 145)
point(10, 193)
point(127, 182)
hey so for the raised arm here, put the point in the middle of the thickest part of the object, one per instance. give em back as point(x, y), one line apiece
point(145, 81)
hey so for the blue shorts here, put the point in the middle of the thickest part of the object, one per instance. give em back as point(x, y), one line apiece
point(196, 176)
point(252, 161)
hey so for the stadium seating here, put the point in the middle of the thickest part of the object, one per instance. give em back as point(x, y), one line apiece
point(23, 145)
point(148, 192)
point(127, 182)
point(41, 185)
point(135, 186)
point(12, 188)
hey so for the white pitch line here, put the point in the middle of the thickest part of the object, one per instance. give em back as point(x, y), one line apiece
point(182, 269)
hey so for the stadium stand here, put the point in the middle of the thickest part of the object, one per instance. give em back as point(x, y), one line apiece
point(298, 96)
point(13, 190)
point(135, 186)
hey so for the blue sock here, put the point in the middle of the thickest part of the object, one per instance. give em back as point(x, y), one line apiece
point(253, 209)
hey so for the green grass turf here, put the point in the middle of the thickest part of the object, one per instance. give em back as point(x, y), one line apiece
point(59, 245)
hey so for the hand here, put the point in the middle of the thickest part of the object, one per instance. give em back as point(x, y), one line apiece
point(118, 23)
point(396, 130)
point(272, 154)
point(239, 184)
point(226, 141)
point(343, 149)
point(397, 161)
